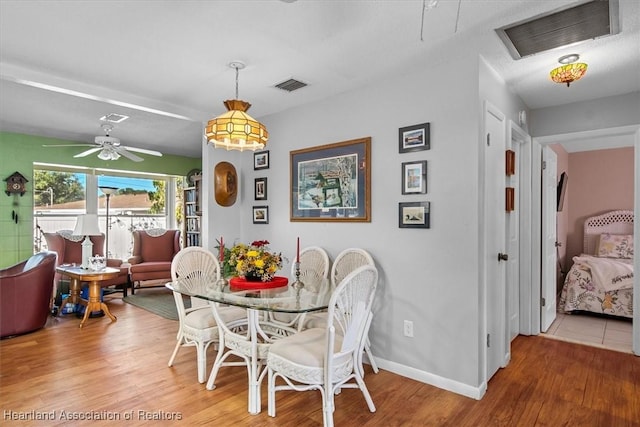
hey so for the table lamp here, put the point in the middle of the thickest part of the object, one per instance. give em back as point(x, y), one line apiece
point(87, 225)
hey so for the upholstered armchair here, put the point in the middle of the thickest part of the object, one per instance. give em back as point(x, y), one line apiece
point(69, 250)
point(153, 252)
point(26, 292)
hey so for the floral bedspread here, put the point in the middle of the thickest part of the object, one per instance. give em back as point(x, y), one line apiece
point(580, 292)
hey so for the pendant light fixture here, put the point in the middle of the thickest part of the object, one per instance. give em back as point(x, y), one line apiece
point(570, 71)
point(235, 129)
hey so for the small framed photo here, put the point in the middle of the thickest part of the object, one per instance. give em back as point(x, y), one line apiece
point(414, 177)
point(414, 214)
point(260, 189)
point(261, 214)
point(414, 138)
point(261, 160)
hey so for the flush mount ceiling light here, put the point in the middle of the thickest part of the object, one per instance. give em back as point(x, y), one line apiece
point(570, 71)
point(235, 129)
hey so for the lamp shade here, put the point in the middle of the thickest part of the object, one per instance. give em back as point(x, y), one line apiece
point(568, 73)
point(235, 129)
point(87, 225)
point(109, 190)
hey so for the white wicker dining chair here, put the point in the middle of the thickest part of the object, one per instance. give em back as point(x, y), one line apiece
point(314, 268)
point(246, 340)
point(326, 359)
point(346, 262)
point(197, 270)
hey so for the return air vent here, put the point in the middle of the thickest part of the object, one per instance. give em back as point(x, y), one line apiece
point(590, 20)
point(291, 85)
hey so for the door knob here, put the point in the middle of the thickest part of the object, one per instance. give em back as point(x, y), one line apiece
point(502, 257)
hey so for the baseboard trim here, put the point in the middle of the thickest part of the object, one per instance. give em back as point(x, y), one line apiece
point(432, 379)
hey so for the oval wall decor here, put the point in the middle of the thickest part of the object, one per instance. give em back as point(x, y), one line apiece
point(225, 184)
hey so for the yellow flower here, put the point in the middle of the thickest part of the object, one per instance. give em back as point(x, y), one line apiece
point(259, 263)
point(253, 253)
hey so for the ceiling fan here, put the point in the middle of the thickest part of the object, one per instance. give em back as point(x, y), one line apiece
point(109, 148)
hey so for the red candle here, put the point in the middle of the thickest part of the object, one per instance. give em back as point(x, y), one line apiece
point(221, 249)
point(298, 251)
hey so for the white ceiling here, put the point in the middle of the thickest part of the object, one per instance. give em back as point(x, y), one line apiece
point(165, 63)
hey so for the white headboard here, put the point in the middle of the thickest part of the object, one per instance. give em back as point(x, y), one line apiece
point(614, 222)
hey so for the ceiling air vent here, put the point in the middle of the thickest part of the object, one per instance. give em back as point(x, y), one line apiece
point(291, 85)
point(585, 21)
point(114, 118)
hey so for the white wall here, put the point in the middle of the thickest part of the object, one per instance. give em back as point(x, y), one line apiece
point(603, 113)
point(427, 276)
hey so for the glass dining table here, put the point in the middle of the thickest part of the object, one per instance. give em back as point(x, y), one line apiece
point(272, 313)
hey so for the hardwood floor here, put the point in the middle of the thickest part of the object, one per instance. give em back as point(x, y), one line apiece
point(120, 369)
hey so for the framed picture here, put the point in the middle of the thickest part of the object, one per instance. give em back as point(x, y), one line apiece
point(332, 182)
point(414, 177)
point(414, 138)
point(261, 160)
point(261, 214)
point(414, 214)
point(260, 189)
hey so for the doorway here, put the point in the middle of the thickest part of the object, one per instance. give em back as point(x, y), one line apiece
point(532, 324)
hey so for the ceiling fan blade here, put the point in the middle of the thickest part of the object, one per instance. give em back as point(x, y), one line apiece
point(143, 151)
point(69, 145)
point(123, 151)
point(89, 151)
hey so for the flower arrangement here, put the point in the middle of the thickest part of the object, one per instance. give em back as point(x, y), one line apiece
point(254, 261)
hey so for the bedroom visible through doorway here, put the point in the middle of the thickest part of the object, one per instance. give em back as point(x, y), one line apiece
point(585, 328)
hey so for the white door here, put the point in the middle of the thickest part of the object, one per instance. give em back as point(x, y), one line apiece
point(549, 259)
point(494, 237)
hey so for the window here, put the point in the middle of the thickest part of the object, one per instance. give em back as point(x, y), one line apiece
point(140, 201)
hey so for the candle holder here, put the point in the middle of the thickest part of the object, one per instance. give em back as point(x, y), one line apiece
point(221, 283)
point(298, 284)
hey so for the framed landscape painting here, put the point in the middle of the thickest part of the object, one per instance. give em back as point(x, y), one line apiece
point(332, 182)
point(414, 138)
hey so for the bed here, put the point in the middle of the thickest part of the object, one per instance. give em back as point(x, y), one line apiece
point(601, 278)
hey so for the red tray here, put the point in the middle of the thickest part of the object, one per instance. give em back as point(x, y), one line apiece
point(241, 283)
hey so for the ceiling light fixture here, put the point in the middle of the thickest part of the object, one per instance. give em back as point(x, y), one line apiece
point(570, 71)
point(235, 129)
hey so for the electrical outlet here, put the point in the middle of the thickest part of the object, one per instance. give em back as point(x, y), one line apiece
point(408, 328)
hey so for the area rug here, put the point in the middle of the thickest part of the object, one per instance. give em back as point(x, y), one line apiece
point(157, 302)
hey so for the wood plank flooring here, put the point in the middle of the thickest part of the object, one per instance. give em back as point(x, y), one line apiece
point(120, 370)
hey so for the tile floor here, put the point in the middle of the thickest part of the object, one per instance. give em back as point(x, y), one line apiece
point(608, 333)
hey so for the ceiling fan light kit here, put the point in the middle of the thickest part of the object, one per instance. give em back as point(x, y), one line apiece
point(235, 129)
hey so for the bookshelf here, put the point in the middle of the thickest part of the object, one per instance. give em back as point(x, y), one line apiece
point(192, 212)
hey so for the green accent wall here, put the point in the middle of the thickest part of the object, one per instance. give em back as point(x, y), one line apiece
point(18, 152)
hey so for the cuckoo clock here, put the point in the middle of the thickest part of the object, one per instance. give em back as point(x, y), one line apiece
point(16, 184)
